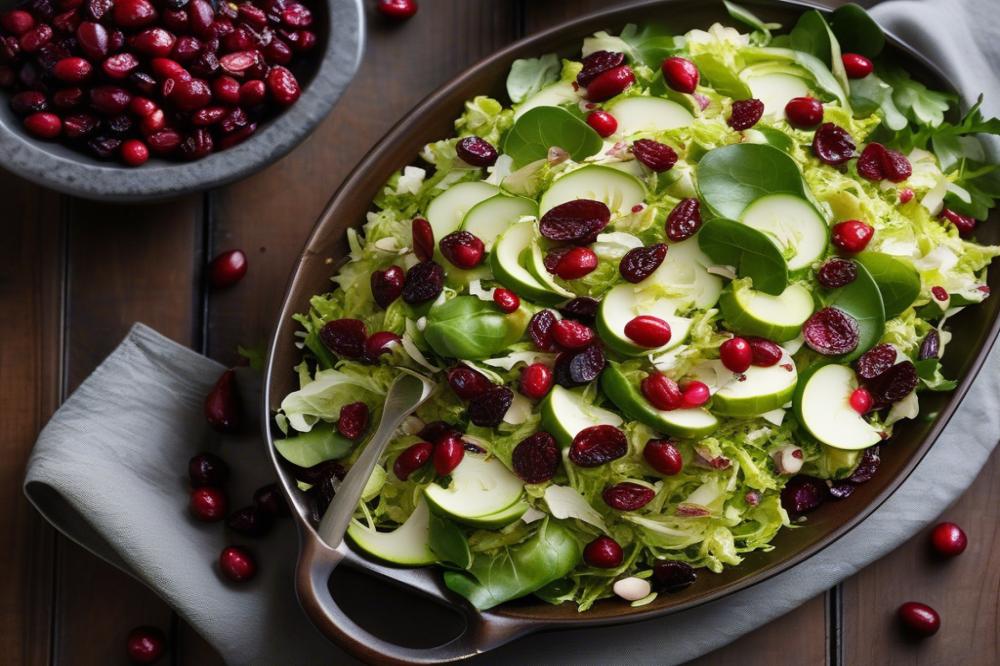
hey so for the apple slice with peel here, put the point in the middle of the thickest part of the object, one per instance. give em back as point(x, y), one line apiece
point(747, 311)
point(480, 491)
point(564, 414)
point(407, 544)
point(752, 393)
point(621, 305)
point(506, 262)
point(447, 210)
point(691, 423)
point(822, 404)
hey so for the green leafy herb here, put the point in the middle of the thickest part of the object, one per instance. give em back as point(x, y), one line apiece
point(320, 444)
point(929, 372)
point(873, 95)
point(447, 542)
point(468, 328)
point(898, 281)
point(745, 16)
point(752, 253)
point(730, 178)
point(857, 31)
point(542, 128)
point(862, 300)
point(529, 75)
point(918, 103)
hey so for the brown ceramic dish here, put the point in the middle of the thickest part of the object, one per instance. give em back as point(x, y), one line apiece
point(974, 329)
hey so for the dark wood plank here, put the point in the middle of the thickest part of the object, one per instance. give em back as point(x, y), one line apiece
point(31, 272)
point(126, 264)
point(964, 591)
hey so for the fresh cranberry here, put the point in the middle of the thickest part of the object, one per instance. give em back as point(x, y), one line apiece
point(134, 152)
point(610, 83)
point(536, 381)
point(153, 123)
point(745, 114)
point(145, 645)
point(207, 469)
point(175, 19)
point(861, 400)
point(920, 619)
point(345, 337)
point(680, 74)
point(163, 141)
point(28, 101)
point(17, 22)
point(423, 238)
point(133, 13)
point(222, 405)
point(506, 300)
point(905, 195)
point(110, 100)
point(353, 420)
point(964, 223)
point(576, 263)
point(852, 235)
point(603, 553)
point(67, 98)
point(462, 249)
point(33, 40)
point(189, 94)
point(250, 521)
point(397, 10)
point(736, 354)
point(228, 268)
point(269, 500)
point(468, 383)
point(201, 18)
point(142, 106)
point(43, 125)
point(226, 90)
point(663, 456)
point(571, 334)
point(648, 331)
point(252, 93)
point(596, 64)
point(412, 459)
point(477, 152)
point(283, 86)
point(208, 504)
point(237, 564)
point(602, 122)
point(72, 70)
point(695, 394)
point(380, 343)
point(804, 112)
point(387, 285)
point(448, 453)
point(661, 391)
point(856, 65)
point(948, 539)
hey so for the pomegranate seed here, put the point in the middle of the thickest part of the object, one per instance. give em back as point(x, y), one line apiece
point(397, 10)
point(27, 102)
point(695, 394)
point(283, 86)
point(948, 539)
point(228, 268)
point(603, 553)
point(134, 152)
point(905, 195)
point(462, 249)
point(856, 65)
point(237, 564)
point(145, 645)
point(72, 70)
point(673, 575)
point(861, 400)
point(380, 343)
point(506, 300)
point(17, 22)
point(269, 500)
point(412, 459)
point(919, 618)
point(448, 453)
point(648, 331)
point(222, 406)
point(353, 420)
point(804, 112)
point(736, 354)
point(610, 83)
point(476, 152)
point(43, 125)
point(680, 74)
point(655, 156)
point(345, 337)
point(661, 391)
point(571, 334)
point(939, 293)
point(252, 93)
point(207, 469)
point(387, 285)
point(663, 456)
point(468, 383)
point(765, 353)
point(745, 114)
point(852, 235)
point(536, 381)
point(576, 263)
point(602, 122)
point(965, 224)
point(208, 504)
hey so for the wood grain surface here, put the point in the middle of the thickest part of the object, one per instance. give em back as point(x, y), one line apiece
point(74, 276)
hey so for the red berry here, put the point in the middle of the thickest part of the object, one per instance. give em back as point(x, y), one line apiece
point(283, 86)
point(736, 354)
point(468, 383)
point(695, 394)
point(536, 380)
point(387, 285)
point(207, 469)
point(135, 153)
point(680, 74)
point(627, 496)
point(72, 69)
point(655, 156)
point(604, 553)
point(145, 645)
point(856, 65)
point(222, 405)
point(610, 83)
point(536, 458)
point(17, 22)
point(227, 268)
point(571, 334)
point(939, 293)
point(226, 89)
point(237, 564)
point(506, 300)
point(412, 459)
point(832, 144)
point(648, 331)
point(602, 122)
point(661, 391)
point(462, 249)
point(379, 343)
point(252, 93)
point(208, 504)
point(905, 195)
point(133, 13)
point(745, 114)
point(948, 539)
point(684, 219)
point(965, 224)
point(919, 618)
point(804, 112)
point(663, 456)
point(861, 400)
point(397, 10)
point(448, 453)
point(765, 353)
point(852, 235)
point(423, 238)
point(44, 125)
point(575, 263)
point(353, 420)
point(475, 151)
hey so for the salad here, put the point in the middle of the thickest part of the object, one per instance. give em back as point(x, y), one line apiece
point(676, 293)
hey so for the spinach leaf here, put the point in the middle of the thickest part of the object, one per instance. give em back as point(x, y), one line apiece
point(732, 177)
point(529, 75)
point(650, 46)
point(752, 253)
point(812, 35)
point(447, 542)
point(897, 280)
point(776, 138)
point(822, 76)
point(873, 95)
point(542, 128)
point(468, 328)
point(856, 31)
point(862, 300)
point(746, 17)
point(320, 444)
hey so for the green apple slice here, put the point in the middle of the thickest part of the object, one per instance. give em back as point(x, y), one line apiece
point(491, 217)
point(688, 423)
point(615, 188)
point(775, 88)
point(505, 261)
point(684, 278)
point(649, 114)
point(624, 303)
point(447, 210)
point(560, 93)
point(501, 518)
point(822, 404)
point(407, 544)
point(795, 226)
point(747, 311)
point(564, 414)
point(480, 487)
point(755, 392)
point(533, 258)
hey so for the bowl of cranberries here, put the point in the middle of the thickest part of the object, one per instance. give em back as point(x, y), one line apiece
point(129, 100)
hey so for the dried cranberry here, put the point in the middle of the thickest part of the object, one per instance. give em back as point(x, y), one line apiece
point(235, 119)
point(278, 52)
point(353, 420)
point(609, 83)
point(765, 353)
point(597, 445)
point(839, 490)
point(488, 409)
point(596, 64)
point(641, 262)
point(832, 144)
point(269, 500)
point(208, 115)
point(931, 346)
point(207, 469)
point(72, 70)
point(79, 125)
point(680, 74)
point(684, 220)
point(867, 467)
point(627, 496)
point(506, 300)
point(540, 329)
point(831, 332)
point(894, 384)
point(412, 459)
point(603, 553)
point(468, 383)
point(571, 334)
point(663, 456)
point(67, 98)
point(226, 89)
point(583, 309)
point(27, 102)
point(164, 141)
point(387, 285)
point(202, 17)
point(661, 391)
point(238, 62)
point(964, 223)
point(222, 404)
point(577, 221)
point(436, 431)
point(423, 238)
point(120, 65)
point(745, 114)
point(380, 343)
point(673, 576)
point(283, 86)
point(836, 272)
point(424, 282)
point(654, 155)
point(579, 368)
point(870, 162)
point(552, 258)
point(462, 249)
point(536, 380)
point(110, 100)
point(875, 362)
point(536, 458)
point(803, 494)
point(896, 166)
point(345, 337)
point(476, 151)
point(104, 147)
point(250, 521)
point(197, 145)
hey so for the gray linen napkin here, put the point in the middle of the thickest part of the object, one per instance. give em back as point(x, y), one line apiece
point(109, 470)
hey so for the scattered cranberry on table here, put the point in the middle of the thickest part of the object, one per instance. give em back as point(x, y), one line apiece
point(207, 469)
point(222, 405)
point(237, 564)
point(270, 500)
point(948, 539)
point(227, 268)
point(145, 645)
point(920, 619)
point(397, 10)
point(208, 504)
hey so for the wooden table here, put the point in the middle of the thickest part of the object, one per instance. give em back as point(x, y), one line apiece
point(74, 275)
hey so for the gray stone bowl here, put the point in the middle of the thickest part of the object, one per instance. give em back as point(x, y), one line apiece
point(340, 28)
